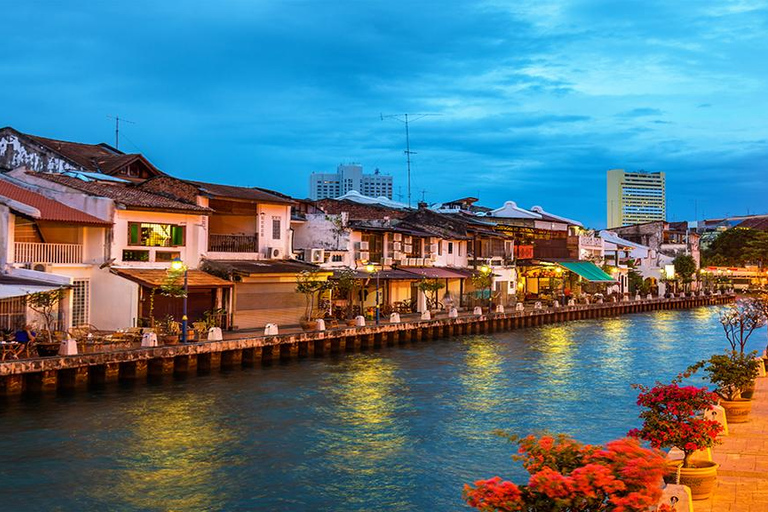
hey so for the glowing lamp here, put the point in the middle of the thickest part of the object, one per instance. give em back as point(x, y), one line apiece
point(177, 264)
point(370, 268)
point(669, 271)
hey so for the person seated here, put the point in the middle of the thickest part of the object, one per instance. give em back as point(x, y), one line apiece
point(26, 335)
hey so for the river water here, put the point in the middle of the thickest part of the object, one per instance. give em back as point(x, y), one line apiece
point(400, 428)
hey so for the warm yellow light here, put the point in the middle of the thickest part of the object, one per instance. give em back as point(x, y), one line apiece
point(177, 264)
point(484, 269)
point(370, 268)
point(669, 270)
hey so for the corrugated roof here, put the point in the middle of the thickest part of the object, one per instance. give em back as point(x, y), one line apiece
point(154, 277)
point(49, 209)
point(235, 192)
point(258, 267)
point(126, 194)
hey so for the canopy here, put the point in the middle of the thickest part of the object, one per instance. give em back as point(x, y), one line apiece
point(12, 290)
point(588, 271)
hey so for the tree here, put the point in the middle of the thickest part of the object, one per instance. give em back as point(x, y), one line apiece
point(430, 287)
point(685, 267)
point(757, 249)
point(309, 283)
point(483, 280)
point(728, 248)
point(44, 304)
point(346, 280)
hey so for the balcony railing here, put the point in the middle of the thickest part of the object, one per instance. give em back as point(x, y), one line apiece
point(233, 243)
point(33, 252)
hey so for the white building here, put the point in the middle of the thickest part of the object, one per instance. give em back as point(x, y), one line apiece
point(347, 178)
point(635, 197)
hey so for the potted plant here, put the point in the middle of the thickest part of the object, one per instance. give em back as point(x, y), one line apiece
point(45, 304)
point(731, 372)
point(346, 281)
point(171, 330)
point(739, 321)
point(430, 287)
point(308, 283)
point(567, 475)
point(673, 416)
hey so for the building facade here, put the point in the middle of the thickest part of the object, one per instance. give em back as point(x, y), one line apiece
point(347, 178)
point(635, 197)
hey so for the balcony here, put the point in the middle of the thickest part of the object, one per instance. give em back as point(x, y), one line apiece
point(233, 243)
point(33, 252)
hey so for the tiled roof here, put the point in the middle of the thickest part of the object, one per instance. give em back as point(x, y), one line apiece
point(359, 211)
point(154, 277)
point(93, 157)
point(49, 209)
point(759, 223)
point(248, 193)
point(130, 195)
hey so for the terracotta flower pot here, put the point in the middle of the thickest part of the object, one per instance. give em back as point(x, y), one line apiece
point(171, 339)
point(351, 322)
point(701, 478)
point(308, 325)
point(737, 411)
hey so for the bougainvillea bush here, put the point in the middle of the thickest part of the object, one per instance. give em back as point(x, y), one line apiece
point(567, 476)
point(674, 416)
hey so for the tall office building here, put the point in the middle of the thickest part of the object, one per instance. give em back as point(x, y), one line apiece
point(635, 197)
point(349, 177)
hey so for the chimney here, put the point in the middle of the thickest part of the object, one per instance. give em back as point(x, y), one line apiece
point(422, 205)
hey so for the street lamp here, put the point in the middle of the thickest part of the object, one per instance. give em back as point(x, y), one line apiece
point(371, 268)
point(486, 271)
point(178, 265)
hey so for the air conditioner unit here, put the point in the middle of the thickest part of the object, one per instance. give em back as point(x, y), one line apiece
point(419, 262)
point(397, 246)
point(427, 262)
point(433, 256)
point(398, 255)
point(397, 237)
point(388, 261)
point(411, 262)
point(40, 267)
point(408, 239)
point(274, 253)
point(408, 248)
point(433, 248)
point(362, 256)
point(317, 256)
point(363, 246)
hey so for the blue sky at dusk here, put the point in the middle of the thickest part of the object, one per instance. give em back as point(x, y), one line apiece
point(536, 99)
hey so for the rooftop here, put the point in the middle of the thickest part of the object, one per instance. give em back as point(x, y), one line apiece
point(49, 210)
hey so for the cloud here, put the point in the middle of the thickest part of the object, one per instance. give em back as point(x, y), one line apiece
point(641, 112)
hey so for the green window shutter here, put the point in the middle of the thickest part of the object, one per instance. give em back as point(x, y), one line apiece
point(133, 234)
point(177, 235)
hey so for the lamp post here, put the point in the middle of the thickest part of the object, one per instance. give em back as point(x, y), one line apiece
point(371, 268)
point(486, 271)
point(179, 265)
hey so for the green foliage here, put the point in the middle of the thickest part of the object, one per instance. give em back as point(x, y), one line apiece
point(731, 372)
point(635, 282)
point(345, 282)
point(310, 283)
point(685, 267)
point(737, 247)
point(430, 287)
point(173, 284)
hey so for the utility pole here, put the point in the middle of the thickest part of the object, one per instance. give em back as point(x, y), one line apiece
point(117, 128)
point(403, 118)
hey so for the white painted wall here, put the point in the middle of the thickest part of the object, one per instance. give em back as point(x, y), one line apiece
point(266, 212)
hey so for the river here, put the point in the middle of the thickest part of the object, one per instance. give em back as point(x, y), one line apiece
point(400, 428)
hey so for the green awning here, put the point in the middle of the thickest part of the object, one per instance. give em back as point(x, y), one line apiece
point(588, 271)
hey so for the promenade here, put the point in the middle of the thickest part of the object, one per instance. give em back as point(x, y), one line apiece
point(742, 479)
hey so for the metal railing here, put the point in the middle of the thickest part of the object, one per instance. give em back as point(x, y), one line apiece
point(233, 243)
point(34, 252)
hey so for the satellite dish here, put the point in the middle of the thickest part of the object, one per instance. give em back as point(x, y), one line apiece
point(107, 263)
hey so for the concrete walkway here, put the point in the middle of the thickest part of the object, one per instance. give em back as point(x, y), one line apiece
point(742, 479)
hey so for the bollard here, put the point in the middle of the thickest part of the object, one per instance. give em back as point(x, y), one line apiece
point(320, 324)
point(717, 413)
point(359, 321)
point(555, 304)
point(477, 311)
point(519, 307)
point(678, 497)
point(760, 366)
point(648, 297)
point(537, 305)
point(149, 339)
point(214, 334)
point(394, 318)
point(453, 313)
point(571, 302)
point(270, 330)
point(637, 297)
point(68, 347)
point(500, 309)
point(426, 315)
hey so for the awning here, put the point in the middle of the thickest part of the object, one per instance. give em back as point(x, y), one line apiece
point(155, 277)
point(587, 270)
point(9, 290)
point(435, 272)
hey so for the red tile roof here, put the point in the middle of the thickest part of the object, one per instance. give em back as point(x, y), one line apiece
point(153, 277)
point(130, 195)
point(50, 210)
point(759, 223)
point(248, 193)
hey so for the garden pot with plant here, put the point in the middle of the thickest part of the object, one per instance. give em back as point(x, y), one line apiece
point(731, 372)
point(309, 283)
point(673, 417)
point(567, 475)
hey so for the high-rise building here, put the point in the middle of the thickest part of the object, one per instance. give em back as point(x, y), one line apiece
point(349, 177)
point(635, 197)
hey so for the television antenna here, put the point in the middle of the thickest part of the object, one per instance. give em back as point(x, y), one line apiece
point(406, 120)
point(117, 128)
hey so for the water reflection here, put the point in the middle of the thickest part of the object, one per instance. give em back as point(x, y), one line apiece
point(482, 377)
point(557, 353)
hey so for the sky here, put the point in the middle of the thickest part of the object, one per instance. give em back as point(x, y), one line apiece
point(528, 100)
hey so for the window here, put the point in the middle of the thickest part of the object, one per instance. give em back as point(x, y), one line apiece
point(450, 247)
point(336, 258)
point(276, 231)
point(155, 235)
point(167, 255)
point(135, 255)
point(81, 292)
